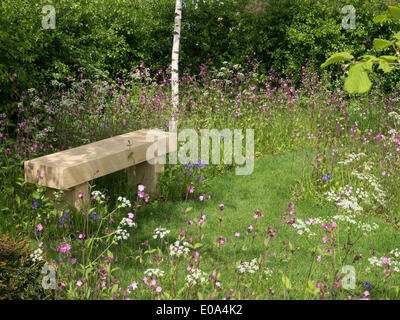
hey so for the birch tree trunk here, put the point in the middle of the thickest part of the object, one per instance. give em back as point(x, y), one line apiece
point(175, 58)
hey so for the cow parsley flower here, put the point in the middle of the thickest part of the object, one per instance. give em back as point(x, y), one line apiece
point(124, 202)
point(160, 233)
point(128, 222)
point(36, 255)
point(154, 273)
point(196, 276)
point(121, 234)
point(248, 267)
point(177, 249)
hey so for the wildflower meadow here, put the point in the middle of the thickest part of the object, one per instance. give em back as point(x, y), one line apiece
point(316, 213)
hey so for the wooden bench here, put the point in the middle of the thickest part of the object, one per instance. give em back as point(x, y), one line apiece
point(71, 170)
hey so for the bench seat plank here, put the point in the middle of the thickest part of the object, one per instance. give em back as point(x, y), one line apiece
point(69, 168)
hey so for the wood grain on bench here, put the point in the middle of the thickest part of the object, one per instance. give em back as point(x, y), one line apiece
point(73, 168)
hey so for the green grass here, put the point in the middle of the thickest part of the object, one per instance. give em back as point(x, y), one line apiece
point(268, 189)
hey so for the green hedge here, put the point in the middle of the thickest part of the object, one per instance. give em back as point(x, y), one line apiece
point(115, 35)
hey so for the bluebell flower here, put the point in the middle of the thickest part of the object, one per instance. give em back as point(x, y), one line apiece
point(327, 177)
point(35, 204)
point(367, 285)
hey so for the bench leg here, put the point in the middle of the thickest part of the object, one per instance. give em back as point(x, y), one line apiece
point(73, 196)
point(146, 174)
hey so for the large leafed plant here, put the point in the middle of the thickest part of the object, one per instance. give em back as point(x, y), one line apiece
point(358, 79)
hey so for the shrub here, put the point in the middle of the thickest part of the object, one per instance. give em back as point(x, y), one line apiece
point(20, 276)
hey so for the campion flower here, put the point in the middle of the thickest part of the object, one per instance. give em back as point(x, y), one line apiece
point(79, 283)
point(221, 240)
point(258, 214)
point(134, 286)
point(191, 189)
point(202, 219)
point(221, 207)
point(65, 247)
point(160, 233)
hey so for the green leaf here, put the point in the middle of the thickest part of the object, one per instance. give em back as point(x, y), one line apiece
point(385, 67)
point(368, 57)
point(381, 43)
point(395, 12)
point(357, 80)
point(36, 195)
point(337, 57)
point(286, 282)
point(166, 296)
point(397, 35)
point(114, 289)
point(381, 18)
point(181, 290)
point(388, 58)
point(18, 200)
point(367, 66)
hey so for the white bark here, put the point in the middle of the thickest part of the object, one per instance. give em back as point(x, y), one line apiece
point(175, 58)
